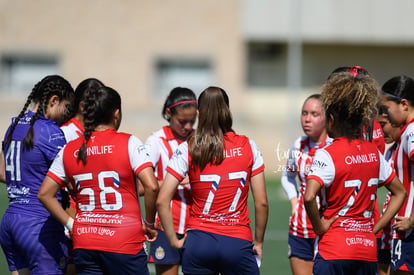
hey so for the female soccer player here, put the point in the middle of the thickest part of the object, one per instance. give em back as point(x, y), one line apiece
point(391, 136)
point(102, 167)
point(180, 110)
point(301, 236)
point(347, 174)
point(72, 125)
point(221, 166)
point(397, 99)
point(31, 239)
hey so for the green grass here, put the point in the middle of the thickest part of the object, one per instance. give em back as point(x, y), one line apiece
point(275, 248)
point(275, 259)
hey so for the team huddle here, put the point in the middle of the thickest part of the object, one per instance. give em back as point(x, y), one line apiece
point(337, 226)
point(85, 198)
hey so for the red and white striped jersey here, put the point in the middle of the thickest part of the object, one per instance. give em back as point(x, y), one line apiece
point(220, 192)
point(72, 129)
point(298, 165)
point(349, 173)
point(404, 169)
point(161, 146)
point(108, 216)
point(386, 235)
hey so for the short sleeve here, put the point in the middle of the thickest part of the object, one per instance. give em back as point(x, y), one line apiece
point(178, 164)
point(50, 139)
point(386, 171)
point(258, 163)
point(152, 144)
point(57, 169)
point(323, 168)
point(138, 154)
point(410, 140)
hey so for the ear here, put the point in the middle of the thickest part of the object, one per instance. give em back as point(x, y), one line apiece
point(117, 114)
point(80, 107)
point(405, 104)
point(53, 100)
point(330, 120)
point(168, 113)
point(117, 118)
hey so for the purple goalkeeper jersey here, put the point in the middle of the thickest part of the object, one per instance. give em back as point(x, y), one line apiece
point(26, 168)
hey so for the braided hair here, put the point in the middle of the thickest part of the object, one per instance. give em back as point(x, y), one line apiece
point(99, 105)
point(73, 108)
point(41, 93)
point(351, 99)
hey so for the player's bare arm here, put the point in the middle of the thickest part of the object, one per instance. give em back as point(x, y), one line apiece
point(165, 196)
point(320, 225)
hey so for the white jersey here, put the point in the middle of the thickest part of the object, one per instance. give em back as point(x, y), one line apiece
point(72, 129)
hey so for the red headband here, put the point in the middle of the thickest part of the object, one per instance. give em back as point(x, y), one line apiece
point(182, 102)
point(354, 70)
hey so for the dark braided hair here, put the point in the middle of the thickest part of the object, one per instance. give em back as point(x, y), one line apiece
point(84, 85)
point(41, 93)
point(99, 105)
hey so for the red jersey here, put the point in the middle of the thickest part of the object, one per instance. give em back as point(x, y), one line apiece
point(219, 192)
point(108, 216)
point(378, 136)
point(298, 165)
point(404, 169)
point(349, 173)
point(161, 146)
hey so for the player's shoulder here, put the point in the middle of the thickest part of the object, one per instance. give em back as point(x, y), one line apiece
point(299, 142)
point(47, 127)
point(127, 136)
point(328, 141)
point(47, 122)
point(155, 136)
point(409, 130)
point(236, 138)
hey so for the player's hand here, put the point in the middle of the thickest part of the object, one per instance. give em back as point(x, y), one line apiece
point(293, 203)
point(178, 244)
point(150, 232)
point(258, 251)
point(403, 223)
point(325, 224)
point(185, 181)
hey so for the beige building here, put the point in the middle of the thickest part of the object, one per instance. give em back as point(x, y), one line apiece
point(267, 54)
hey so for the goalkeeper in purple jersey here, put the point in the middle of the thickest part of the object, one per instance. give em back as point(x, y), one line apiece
point(31, 239)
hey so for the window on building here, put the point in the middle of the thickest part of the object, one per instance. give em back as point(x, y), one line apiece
point(194, 74)
point(19, 73)
point(266, 64)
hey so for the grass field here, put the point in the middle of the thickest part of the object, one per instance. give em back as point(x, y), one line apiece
point(275, 259)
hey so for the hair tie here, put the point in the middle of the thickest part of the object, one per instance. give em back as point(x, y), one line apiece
point(354, 70)
point(182, 102)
